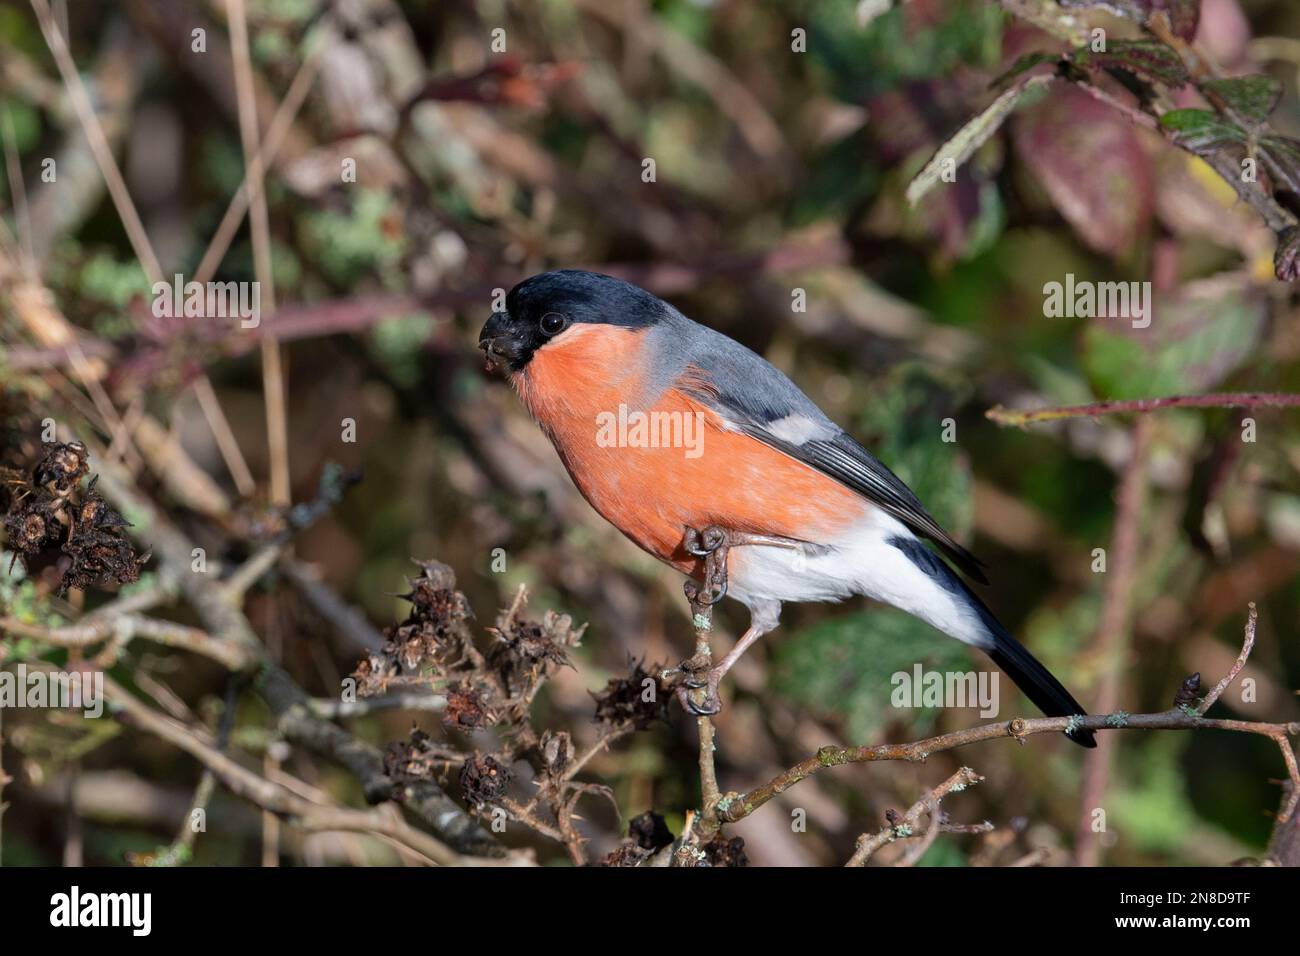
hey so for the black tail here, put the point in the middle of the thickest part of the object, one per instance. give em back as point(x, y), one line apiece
point(1009, 654)
point(1036, 681)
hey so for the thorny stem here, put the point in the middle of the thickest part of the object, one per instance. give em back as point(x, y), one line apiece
point(1176, 718)
point(1008, 416)
point(1017, 728)
point(904, 827)
point(1248, 644)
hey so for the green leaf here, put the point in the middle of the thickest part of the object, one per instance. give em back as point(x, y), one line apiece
point(903, 424)
point(1023, 65)
point(1192, 344)
point(1254, 97)
point(842, 667)
point(1149, 59)
point(1201, 131)
point(970, 137)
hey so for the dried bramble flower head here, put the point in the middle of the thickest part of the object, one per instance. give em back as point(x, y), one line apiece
point(32, 531)
point(723, 852)
point(62, 465)
point(483, 780)
point(434, 639)
point(52, 511)
point(527, 651)
point(626, 854)
point(467, 708)
point(637, 700)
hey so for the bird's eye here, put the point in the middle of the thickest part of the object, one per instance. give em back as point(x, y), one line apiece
point(553, 323)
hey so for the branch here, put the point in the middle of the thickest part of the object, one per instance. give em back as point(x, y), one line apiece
point(122, 628)
point(905, 827)
point(224, 619)
point(1021, 418)
point(1018, 729)
point(1248, 645)
point(1177, 718)
point(269, 795)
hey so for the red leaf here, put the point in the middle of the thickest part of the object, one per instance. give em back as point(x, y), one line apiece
point(1092, 164)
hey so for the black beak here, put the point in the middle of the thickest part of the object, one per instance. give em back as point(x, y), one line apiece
point(498, 341)
point(495, 327)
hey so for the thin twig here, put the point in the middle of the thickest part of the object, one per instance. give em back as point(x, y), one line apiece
point(1018, 729)
point(99, 147)
point(1006, 416)
point(904, 827)
point(124, 627)
point(273, 385)
point(1248, 644)
point(267, 794)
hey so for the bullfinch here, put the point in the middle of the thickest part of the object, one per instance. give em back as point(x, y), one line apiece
point(667, 427)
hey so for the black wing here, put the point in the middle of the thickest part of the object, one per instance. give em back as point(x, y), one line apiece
point(755, 397)
point(842, 458)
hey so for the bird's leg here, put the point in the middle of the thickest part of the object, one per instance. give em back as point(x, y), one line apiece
point(713, 544)
point(710, 678)
point(711, 539)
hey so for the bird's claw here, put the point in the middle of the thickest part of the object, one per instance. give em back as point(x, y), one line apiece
point(704, 543)
point(697, 676)
point(707, 598)
point(692, 702)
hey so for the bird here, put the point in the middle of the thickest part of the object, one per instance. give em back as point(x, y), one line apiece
point(667, 426)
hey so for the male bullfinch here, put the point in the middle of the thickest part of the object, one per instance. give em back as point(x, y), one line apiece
point(668, 427)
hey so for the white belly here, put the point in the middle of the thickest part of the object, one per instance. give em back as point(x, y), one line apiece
point(862, 561)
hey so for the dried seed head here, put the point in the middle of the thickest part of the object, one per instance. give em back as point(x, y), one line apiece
point(626, 854)
point(637, 700)
point(467, 708)
point(650, 831)
point(33, 532)
point(62, 466)
point(483, 780)
point(723, 852)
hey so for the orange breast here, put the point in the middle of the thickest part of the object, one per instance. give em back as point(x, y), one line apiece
point(585, 392)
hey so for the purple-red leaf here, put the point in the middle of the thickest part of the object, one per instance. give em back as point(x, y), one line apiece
point(1092, 164)
point(1286, 261)
point(1149, 59)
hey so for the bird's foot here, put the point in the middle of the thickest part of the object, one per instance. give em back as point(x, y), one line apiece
point(697, 691)
point(704, 543)
point(711, 539)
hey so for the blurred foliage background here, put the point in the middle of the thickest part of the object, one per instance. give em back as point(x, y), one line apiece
point(775, 170)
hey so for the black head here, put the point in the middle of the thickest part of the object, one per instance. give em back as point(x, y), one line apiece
point(542, 308)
